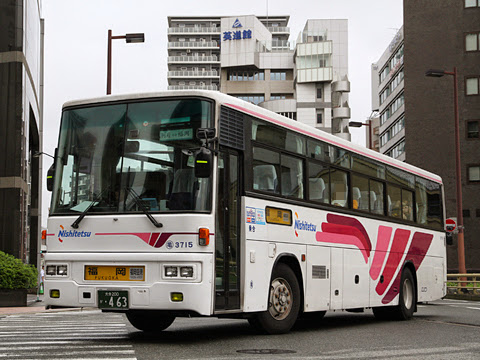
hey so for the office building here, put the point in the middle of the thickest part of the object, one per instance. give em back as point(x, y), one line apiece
point(388, 99)
point(21, 98)
point(443, 34)
point(251, 58)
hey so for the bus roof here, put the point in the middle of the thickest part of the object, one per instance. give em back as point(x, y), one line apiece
point(269, 116)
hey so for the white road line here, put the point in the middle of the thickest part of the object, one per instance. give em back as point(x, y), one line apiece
point(51, 355)
point(474, 308)
point(79, 346)
point(50, 342)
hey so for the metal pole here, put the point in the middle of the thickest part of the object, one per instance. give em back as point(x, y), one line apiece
point(109, 63)
point(369, 124)
point(458, 170)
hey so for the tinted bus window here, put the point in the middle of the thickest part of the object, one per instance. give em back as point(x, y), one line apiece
point(339, 188)
point(368, 167)
point(292, 177)
point(266, 170)
point(319, 183)
point(407, 205)
point(360, 193)
point(376, 197)
point(428, 203)
point(394, 200)
point(400, 177)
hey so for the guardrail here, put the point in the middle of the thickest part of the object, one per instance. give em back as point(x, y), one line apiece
point(463, 284)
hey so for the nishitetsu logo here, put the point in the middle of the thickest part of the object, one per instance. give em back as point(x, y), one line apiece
point(302, 225)
point(72, 233)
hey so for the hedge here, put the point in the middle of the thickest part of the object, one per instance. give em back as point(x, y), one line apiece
point(14, 274)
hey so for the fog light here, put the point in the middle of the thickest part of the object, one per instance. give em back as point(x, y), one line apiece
point(176, 297)
point(171, 271)
point(186, 271)
point(62, 270)
point(55, 294)
point(51, 270)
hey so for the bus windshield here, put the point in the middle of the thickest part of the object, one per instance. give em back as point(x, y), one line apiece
point(122, 158)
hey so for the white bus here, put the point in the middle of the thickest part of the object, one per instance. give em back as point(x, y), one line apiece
point(195, 203)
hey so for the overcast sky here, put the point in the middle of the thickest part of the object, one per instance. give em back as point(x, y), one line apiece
point(76, 47)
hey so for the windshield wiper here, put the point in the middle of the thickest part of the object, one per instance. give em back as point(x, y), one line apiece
point(139, 202)
point(82, 215)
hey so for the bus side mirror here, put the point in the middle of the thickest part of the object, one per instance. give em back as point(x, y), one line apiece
point(449, 238)
point(50, 174)
point(203, 163)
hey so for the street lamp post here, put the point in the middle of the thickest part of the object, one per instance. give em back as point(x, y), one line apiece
point(458, 171)
point(360, 124)
point(129, 38)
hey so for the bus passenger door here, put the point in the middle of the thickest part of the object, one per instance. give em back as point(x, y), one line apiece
point(227, 232)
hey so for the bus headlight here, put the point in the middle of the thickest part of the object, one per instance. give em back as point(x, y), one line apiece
point(186, 271)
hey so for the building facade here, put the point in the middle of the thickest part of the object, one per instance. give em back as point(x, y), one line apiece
point(251, 58)
point(21, 98)
point(443, 34)
point(388, 98)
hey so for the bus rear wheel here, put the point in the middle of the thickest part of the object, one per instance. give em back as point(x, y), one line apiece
point(283, 303)
point(406, 302)
point(149, 321)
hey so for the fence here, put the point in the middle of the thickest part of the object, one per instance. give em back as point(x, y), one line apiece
point(463, 284)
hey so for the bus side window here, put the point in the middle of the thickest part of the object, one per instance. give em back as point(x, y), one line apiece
point(339, 187)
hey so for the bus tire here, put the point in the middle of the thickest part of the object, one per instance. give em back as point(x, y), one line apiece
point(149, 321)
point(406, 302)
point(283, 302)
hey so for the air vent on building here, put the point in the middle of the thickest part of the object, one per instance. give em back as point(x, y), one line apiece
point(319, 272)
point(231, 128)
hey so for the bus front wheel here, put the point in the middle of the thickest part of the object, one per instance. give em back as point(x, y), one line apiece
point(149, 321)
point(283, 303)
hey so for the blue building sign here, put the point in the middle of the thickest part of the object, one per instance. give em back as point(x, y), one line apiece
point(237, 34)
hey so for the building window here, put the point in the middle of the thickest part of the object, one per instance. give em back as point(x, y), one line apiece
point(319, 93)
point(319, 118)
point(471, 42)
point(471, 3)
point(472, 129)
point(471, 86)
point(278, 75)
point(474, 173)
point(466, 213)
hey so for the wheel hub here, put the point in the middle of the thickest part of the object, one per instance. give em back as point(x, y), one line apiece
point(280, 299)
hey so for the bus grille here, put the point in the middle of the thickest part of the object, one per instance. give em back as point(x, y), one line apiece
point(231, 128)
point(319, 272)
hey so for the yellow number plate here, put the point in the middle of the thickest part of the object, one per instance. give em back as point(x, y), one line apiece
point(114, 273)
point(278, 216)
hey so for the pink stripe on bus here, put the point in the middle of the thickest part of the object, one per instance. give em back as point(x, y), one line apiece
point(383, 240)
point(330, 141)
point(399, 244)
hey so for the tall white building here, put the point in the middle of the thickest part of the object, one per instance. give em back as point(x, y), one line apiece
point(388, 99)
point(250, 57)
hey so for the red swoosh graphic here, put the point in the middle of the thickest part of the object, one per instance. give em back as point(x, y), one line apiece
point(342, 234)
point(383, 240)
point(416, 253)
point(395, 256)
point(344, 220)
point(156, 240)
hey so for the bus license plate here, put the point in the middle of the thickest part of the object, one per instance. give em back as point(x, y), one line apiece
point(108, 299)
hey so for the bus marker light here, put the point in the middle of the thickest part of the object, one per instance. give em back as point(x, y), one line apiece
point(62, 270)
point(55, 294)
point(203, 236)
point(303, 257)
point(176, 297)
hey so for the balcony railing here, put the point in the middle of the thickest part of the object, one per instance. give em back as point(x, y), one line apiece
point(193, 30)
point(193, 87)
point(192, 59)
point(192, 74)
point(278, 29)
point(193, 44)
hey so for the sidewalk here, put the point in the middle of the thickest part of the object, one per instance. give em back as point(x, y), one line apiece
point(33, 306)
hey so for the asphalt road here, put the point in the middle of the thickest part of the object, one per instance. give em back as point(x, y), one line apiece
point(444, 329)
